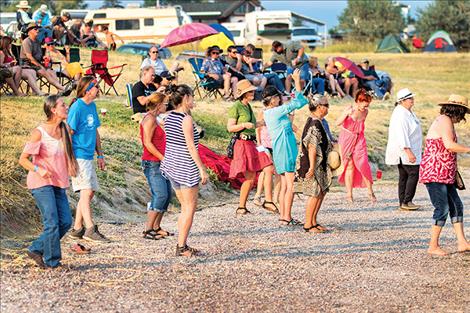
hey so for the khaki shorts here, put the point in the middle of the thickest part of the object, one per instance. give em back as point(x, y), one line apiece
point(86, 178)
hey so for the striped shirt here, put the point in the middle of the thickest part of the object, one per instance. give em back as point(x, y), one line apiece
point(178, 165)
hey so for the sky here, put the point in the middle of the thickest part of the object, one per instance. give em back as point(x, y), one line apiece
point(326, 11)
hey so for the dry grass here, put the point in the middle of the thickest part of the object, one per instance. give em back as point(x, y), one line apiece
point(432, 77)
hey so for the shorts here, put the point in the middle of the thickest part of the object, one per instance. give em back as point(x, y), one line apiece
point(86, 178)
point(178, 186)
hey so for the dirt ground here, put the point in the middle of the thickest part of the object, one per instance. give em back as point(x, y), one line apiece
point(373, 260)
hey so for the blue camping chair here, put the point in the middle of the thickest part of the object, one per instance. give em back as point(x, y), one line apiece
point(209, 87)
point(129, 95)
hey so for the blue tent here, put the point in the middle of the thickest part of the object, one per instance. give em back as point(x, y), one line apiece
point(222, 29)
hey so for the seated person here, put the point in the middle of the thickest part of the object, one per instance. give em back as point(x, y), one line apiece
point(163, 81)
point(157, 63)
point(372, 81)
point(60, 32)
point(293, 55)
point(214, 69)
point(332, 75)
point(11, 72)
point(110, 42)
point(42, 17)
point(347, 79)
point(318, 76)
point(88, 37)
point(23, 16)
point(31, 55)
point(71, 70)
point(143, 89)
point(235, 61)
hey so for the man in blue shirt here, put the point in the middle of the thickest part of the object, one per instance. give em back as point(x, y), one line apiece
point(84, 122)
point(42, 17)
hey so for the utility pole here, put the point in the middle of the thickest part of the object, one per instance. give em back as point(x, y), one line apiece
point(157, 4)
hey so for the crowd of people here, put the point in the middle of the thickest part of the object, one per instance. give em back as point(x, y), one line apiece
point(263, 143)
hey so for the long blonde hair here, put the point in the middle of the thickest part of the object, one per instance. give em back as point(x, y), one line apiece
point(72, 164)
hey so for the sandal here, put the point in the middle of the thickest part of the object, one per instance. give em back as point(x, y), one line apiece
point(79, 249)
point(186, 251)
point(292, 222)
point(163, 233)
point(270, 209)
point(151, 235)
point(242, 211)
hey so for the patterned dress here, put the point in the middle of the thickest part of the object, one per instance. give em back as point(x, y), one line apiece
point(438, 164)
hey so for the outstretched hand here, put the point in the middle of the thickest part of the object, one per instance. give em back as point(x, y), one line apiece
point(296, 75)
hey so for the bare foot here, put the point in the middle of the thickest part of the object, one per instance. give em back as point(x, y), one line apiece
point(437, 251)
point(372, 198)
point(465, 247)
point(350, 199)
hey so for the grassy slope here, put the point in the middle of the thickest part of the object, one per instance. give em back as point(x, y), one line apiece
point(431, 77)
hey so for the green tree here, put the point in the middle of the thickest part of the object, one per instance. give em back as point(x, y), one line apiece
point(111, 4)
point(370, 19)
point(452, 16)
point(55, 6)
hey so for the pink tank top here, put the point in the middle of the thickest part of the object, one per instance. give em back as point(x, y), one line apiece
point(49, 154)
point(438, 165)
point(353, 126)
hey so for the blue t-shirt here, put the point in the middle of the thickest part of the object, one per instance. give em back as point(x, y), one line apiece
point(83, 120)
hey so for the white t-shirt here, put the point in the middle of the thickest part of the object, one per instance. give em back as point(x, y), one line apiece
point(158, 65)
point(404, 132)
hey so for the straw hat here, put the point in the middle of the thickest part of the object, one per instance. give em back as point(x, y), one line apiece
point(30, 26)
point(243, 87)
point(334, 160)
point(23, 5)
point(457, 100)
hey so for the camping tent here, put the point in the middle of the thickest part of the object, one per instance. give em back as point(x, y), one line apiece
point(391, 44)
point(440, 42)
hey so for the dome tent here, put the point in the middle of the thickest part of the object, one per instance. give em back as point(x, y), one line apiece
point(440, 42)
point(391, 44)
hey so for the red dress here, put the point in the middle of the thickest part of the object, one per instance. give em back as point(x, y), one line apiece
point(354, 147)
point(438, 164)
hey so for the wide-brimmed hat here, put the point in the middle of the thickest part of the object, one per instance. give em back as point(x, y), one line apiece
point(404, 94)
point(23, 5)
point(243, 87)
point(334, 160)
point(31, 26)
point(457, 100)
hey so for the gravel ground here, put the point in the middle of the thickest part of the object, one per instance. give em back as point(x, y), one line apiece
point(374, 259)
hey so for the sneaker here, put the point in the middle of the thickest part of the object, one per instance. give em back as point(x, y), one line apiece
point(386, 96)
point(412, 205)
point(37, 258)
point(77, 233)
point(93, 234)
point(409, 206)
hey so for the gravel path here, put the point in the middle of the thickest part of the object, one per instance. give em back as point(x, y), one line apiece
point(374, 259)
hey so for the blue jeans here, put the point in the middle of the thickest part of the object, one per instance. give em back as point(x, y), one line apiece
point(56, 218)
point(274, 80)
point(160, 187)
point(445, 200)
point(375, 85)
point(304, 71)
point(318, 85)
point(43, 33)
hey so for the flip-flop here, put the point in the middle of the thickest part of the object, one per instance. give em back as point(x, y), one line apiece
point(79, 249)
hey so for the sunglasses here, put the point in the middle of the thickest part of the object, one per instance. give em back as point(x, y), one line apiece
point(154, 52)
point(215, 53)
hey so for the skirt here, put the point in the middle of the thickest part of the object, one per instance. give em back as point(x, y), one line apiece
point(245, 158)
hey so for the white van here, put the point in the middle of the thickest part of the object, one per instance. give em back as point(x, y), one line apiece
point(139, 24)
point(307, 35)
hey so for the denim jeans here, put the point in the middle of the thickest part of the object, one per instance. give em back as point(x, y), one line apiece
point(274, 80)
point(56, 218)
point(318, 85)
point(304, 71)
point(160, 187)
point(372, 84)
point(445, 200)
point(43, 33)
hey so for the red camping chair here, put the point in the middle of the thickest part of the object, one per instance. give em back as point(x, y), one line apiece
point(99, 61)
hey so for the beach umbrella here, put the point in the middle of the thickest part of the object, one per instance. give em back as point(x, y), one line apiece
point(219, 39)
point(187, 33)
point(222, 29)
point(351, 66)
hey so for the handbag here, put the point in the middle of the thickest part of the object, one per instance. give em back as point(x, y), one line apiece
point(459, 184)
point(235, 137)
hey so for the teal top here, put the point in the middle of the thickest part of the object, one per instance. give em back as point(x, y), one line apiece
point(281, 133)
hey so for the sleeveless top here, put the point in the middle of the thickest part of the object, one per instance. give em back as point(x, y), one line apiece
point(352, 126)
point(48, 153)
point(178, 164)
point(438, 165)
point(158, 141)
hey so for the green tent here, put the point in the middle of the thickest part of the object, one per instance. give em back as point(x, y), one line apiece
point(391, 44)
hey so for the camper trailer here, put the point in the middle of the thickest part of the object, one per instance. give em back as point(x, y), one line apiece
point(139, 24)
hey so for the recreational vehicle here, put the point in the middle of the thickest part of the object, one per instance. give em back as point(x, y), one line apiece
point(139, 24)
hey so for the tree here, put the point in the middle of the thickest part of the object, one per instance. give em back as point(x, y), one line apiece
point(370, 19)
point(112, 4)
point(55, 6)
point(452, 16)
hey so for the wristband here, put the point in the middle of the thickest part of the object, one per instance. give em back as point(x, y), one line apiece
point(100, 157)
point(36, 168)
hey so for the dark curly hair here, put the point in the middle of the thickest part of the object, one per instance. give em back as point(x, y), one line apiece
point(455, 112)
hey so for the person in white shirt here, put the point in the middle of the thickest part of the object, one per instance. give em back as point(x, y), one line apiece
point(157, 63)
point(404, 147)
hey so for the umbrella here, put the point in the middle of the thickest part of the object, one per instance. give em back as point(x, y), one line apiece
point(222, 29)
point(219, 39)
point(350, 65)
point(187, 33)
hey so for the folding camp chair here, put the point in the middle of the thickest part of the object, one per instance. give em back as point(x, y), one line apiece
point(129, 95)
point(99, 61)
point(24, 86)
point(208, 86)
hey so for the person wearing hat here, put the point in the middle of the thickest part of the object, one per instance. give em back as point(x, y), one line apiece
point(42, 17)
point(404, 147)
point(276, 117)
point(214, 69)
point(60, 31)
point(372, 81)
point(23, 15)
point(438, 172)
point(246, 159)
point(31, 53)
point(314, 172)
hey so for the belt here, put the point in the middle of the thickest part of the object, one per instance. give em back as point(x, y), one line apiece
point(247, 137)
